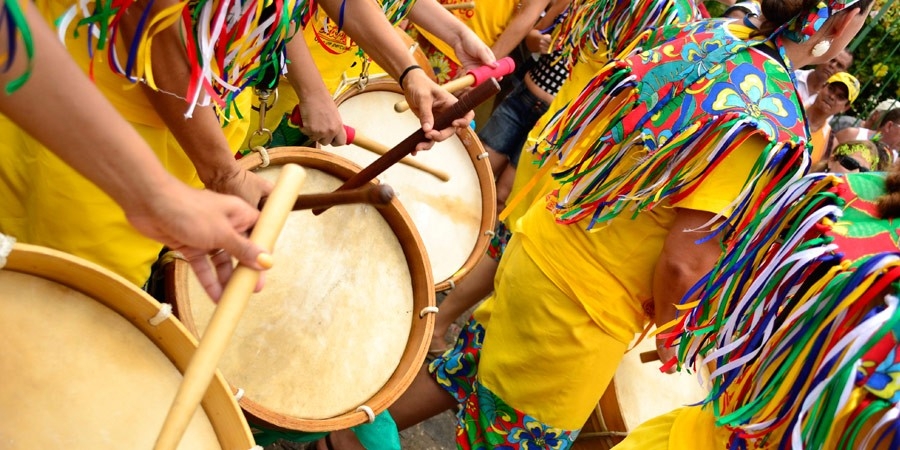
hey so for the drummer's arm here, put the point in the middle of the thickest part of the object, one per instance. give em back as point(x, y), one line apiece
point(518, 27)
point(432, 17)
point(683, 261)
point(200, 136)
point(365, 23)
point(65, 112)
point(321, 119)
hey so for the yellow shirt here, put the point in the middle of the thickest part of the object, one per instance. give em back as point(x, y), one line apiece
point(610, 270)
point(487, 20)
point(45, 202)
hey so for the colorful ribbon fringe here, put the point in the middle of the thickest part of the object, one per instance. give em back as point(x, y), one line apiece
point(788, 321)
point(13, 21)
point(230, 44)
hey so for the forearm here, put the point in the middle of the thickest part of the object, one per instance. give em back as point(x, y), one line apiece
point(63, 110)
point(200, 136)
point(687, 256)
point(522, 22)
point(302, 72)
point(432, 17)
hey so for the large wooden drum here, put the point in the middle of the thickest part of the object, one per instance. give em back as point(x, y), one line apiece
point(637, 393)
point(455, 218)
point(342, 325)
point(89, 362)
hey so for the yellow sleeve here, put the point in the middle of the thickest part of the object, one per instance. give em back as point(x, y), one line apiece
point(724, 184)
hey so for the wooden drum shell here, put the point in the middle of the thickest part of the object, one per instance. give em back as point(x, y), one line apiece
point(182, 291)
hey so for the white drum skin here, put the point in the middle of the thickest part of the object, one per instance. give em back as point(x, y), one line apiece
point(337, 324)
point(456, 217)
point(83, 368)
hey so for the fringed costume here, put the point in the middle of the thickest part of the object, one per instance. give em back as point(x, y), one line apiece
point(800, 322)
point(709, 121)
point(335, 56)
point(229, 44)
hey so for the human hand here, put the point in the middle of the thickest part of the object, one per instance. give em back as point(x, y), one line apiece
point(206, 227)
point(537, 42)
point(425, 97)
point(472, 52)
point(241, 183)
point(321, 121)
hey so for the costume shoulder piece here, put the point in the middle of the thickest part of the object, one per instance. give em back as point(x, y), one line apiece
point(230, 44)
point(647, 128)
point(613, 25)
point(800, 316)
point(16, 27)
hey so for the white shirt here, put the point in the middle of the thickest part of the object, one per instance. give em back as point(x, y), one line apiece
point(803, 88)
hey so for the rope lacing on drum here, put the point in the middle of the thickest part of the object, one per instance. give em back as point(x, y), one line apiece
point(264, 154)
point(489, 233)
point(452, 285)
point(6, 246)
point(369, 413)
point(428, 310)
point(482, 156)
point(165, 310)
point(239, 395)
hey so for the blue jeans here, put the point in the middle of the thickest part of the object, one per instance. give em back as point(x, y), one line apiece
point(508, 127)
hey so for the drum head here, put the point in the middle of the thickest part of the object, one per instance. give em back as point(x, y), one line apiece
point(637, 393)
point(337, 325)
point(83, 367)
point(453, 217)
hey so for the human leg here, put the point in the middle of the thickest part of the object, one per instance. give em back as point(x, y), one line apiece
point(504, 185)
point(474, 288)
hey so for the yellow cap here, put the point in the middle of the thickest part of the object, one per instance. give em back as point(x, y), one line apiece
point(848, 80)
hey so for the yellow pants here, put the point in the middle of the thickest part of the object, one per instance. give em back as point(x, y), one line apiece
point(542, 353)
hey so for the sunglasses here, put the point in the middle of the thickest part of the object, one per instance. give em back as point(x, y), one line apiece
point(850, 164)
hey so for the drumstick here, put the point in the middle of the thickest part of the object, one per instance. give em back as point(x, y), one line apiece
point(442, 120)
point(376, 147)
point(373, 146)
point(377, 195)
point(464, 5)
point(202, 366)
point(474, 77)
point(648, 357)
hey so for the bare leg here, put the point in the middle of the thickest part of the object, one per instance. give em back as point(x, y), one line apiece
point(423, 400)
point(504, 185)
point(341, 439)
point(473, 288)
point(498, 161)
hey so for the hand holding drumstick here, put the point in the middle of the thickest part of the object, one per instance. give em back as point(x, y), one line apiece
point(474, 77)
point(465, 104)
point(367, 143)
point(202, 366)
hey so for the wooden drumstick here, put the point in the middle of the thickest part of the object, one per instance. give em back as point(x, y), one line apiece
point(377, 195)
point(474, 77)
point(442, 120)
point(373, 146)
point(648, 357)
point(464, 5)
point(202, 366)
point(376, 147)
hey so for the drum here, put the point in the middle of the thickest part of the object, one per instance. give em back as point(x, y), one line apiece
point(637, 393)
point(90, 362)
point(455, 218)
point(342, 325)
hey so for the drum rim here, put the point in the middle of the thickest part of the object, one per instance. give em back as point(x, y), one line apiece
point(423, 296)
point(170, 336)
point(474, 148)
